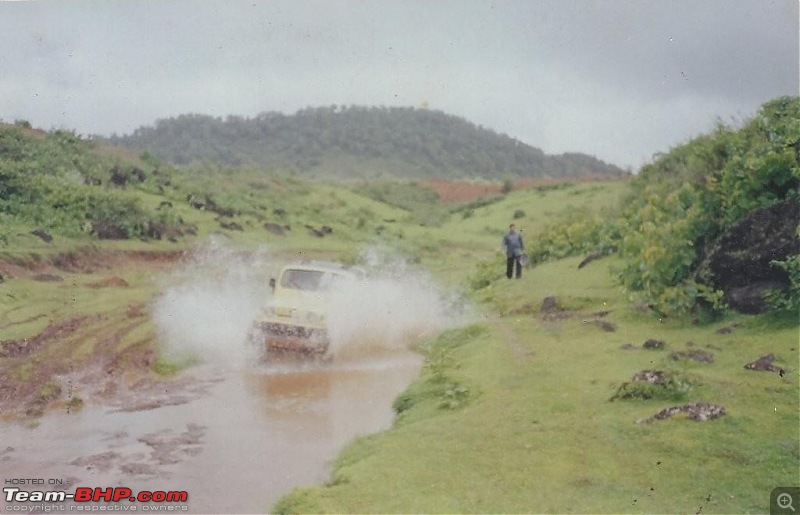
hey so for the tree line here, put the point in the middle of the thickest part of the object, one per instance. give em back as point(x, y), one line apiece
point(356, 142)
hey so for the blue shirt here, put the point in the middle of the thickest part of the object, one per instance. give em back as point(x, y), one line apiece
point(512, 241)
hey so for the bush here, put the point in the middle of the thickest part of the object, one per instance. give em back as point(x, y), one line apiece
point(486, 272)
point(580, 232)
point(788, 301)
point(50, 180)
point(683, 202)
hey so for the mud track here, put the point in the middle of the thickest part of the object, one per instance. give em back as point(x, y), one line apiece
point(69, 355)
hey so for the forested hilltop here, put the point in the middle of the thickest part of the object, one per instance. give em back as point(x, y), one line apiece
point(357, 142)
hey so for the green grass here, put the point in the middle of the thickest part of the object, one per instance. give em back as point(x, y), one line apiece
point(538, 432)
point(511, 414)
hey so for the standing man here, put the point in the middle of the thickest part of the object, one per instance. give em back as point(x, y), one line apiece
point(512, 242)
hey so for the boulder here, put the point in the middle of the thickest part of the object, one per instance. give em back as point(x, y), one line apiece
point(653, 344)
point(550, 304)
point(741, 263)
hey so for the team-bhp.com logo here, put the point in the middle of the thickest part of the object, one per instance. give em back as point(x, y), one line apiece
point(98, 495)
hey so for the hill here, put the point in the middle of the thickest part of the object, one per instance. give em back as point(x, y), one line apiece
point(357, 142)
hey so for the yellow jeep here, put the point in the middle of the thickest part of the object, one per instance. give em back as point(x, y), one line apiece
point(296, 318)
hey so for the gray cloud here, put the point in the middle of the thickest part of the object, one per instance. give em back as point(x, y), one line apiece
point(617, 79)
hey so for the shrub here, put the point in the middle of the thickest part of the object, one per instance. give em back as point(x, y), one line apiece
point(683, 202)
point(486, 272)
point(788, 301)
point(580, 232)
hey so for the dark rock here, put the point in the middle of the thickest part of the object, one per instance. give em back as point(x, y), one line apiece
point(699, 412)
point(550, 304)
point(274, 228)
point(588, 259)
point(119, 177)
point(140, 174)
point(741, 263)
point(157, 231)
point(654, 344)
point(206, 203)
point(750, 299)
point(224, 211)
point(106, 230)
point(728, 329)
point(42, 235)
point(231, 226)
point(314, 231)
point(602, 324)
point(764, 363)
point(195, 202)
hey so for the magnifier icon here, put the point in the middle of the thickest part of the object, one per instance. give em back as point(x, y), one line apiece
point(784, 501)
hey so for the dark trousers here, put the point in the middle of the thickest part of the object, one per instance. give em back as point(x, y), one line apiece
point(510, 267)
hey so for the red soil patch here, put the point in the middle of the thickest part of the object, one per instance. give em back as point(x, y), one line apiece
point(55, 331)
point(82, 261)
point(461, 191)
point(465, 191)
point(45, 370)
point(111, 282)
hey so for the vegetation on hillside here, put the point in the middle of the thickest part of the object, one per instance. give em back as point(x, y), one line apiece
point(680, 206)
point(61, 183)
point(357, 142)
point(58, 184)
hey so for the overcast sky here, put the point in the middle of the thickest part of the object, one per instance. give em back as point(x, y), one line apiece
point(617, 79)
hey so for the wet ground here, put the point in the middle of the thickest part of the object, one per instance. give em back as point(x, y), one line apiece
point(236, 440)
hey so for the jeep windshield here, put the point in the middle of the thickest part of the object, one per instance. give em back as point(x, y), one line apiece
point(309, 280)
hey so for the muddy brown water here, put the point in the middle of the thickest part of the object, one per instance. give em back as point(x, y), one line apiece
point(251, 435)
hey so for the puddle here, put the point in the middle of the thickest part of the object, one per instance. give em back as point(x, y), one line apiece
point(252, 437)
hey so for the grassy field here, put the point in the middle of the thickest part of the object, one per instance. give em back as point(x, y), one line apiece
point(535, 430)
point(513, 414)
point(510, 414)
